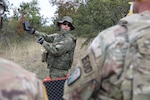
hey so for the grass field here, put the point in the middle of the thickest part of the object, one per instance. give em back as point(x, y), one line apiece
point(28, 55)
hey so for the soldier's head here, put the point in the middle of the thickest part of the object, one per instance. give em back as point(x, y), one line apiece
point(141, 5)
point(66, 23)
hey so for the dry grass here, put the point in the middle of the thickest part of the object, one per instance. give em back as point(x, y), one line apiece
point(28, 56)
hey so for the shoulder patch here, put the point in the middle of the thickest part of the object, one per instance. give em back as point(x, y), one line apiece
point(74, 76)
point(87, 64)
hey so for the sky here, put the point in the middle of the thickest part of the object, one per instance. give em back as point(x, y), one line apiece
point(46, 9)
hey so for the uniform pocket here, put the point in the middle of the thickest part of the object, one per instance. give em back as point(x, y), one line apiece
point(43, 55)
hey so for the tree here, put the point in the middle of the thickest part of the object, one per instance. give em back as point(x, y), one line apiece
point(30, 11)
point(92, 16)
point(13, 27)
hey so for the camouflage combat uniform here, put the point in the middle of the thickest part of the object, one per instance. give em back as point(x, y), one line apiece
point(17, 83)
point(60, 50)
point(116, 66)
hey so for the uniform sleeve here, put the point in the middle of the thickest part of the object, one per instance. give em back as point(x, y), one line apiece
point(42, 92)
point(48, 38)
point(86, 75)
point(61, 47)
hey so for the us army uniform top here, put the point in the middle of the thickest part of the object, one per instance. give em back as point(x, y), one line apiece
point(60, 48)
point(17, 83)
point(116, 65)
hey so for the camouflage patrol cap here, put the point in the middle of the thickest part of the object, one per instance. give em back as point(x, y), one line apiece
point(66, 19)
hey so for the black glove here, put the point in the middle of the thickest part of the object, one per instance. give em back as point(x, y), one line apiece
point(40, 40)
point(28, 28)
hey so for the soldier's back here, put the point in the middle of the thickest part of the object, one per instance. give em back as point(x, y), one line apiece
point(125, 72)
point(121, 56)
point(135, 76)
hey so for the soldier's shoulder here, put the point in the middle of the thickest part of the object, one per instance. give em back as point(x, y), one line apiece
point(107, 37)
point(18, 83)
point(71, 36)
point(12, 68)
point(135, 18)
point(110, 33)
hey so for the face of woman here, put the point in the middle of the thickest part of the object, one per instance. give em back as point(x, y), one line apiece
point(65, 26)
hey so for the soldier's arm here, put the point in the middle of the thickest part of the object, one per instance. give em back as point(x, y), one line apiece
point(48, 38)
point(86, 76)
point(32, 31)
